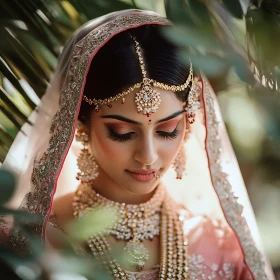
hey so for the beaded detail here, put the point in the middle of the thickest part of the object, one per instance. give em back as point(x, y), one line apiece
point(233, 210)
point(174, 246)
point(133, 223)
point(198, 271)
point(147, 99)
point(47, 166)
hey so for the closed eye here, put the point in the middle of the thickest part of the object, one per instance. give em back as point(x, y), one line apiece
point(169, 135)
point(119, 137)
point(128, 136)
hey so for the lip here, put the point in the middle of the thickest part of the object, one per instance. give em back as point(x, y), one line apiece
point(142, 171)
point(142, 175)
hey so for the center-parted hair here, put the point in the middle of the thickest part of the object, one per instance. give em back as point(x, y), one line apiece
point(116, 66)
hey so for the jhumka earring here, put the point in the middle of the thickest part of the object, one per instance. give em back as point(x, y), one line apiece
point(86, 161)
point(179, 163)
point(147, 100)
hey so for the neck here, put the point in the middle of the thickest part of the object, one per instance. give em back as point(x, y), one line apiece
point(112, 191)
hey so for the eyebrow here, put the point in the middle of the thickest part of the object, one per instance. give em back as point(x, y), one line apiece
point(124, 119)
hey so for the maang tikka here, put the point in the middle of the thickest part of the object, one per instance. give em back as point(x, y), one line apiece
point(86, 161)
point(147, 100)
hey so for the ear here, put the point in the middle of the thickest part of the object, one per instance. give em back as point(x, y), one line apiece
point(82, 128)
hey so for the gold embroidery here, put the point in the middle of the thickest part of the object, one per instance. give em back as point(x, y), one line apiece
point(46, 168)
point(231, 207)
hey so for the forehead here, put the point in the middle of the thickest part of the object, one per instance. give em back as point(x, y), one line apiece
point(169, 104)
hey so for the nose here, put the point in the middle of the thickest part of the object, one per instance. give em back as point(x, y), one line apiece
point(146, 152)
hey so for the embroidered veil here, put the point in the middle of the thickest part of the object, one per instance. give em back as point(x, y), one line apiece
point(43, 156)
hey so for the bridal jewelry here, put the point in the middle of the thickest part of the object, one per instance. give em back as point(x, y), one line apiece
point(193, 101)
point(179, 163)
point(86, 161)
point(174, 246)
point(147, 99)
point(135, 224)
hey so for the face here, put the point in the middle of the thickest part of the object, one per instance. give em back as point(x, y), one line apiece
point(129, 150)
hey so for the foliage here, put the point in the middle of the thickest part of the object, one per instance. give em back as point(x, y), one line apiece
point(33, 33)
point(45, 264)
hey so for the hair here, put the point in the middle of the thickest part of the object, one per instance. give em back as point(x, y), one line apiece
point(116, 66)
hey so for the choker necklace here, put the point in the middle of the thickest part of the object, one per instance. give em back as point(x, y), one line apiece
point(134, 223)
point(173, 243)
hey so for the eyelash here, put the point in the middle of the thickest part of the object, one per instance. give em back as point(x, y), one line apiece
point(119, 137)
point(126, 137)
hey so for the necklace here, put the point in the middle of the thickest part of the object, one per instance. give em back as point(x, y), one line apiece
point(133, 223)
point(137, 223)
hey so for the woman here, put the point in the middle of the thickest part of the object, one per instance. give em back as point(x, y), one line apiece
point(137, 111)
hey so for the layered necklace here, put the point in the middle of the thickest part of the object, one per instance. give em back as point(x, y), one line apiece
point(134, 224)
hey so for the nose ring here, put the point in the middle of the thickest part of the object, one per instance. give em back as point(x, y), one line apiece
point(158, 176)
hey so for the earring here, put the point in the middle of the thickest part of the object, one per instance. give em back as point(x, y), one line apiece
point(179, 163)
point(86, 161)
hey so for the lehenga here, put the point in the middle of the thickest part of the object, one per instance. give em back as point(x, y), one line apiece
point(217, 219)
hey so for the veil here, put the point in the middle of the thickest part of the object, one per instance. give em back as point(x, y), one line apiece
point(43, 156)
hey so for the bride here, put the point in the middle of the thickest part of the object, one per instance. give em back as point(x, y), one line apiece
point(148, 138)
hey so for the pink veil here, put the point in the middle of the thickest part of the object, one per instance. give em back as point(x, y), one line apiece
point(43, 156)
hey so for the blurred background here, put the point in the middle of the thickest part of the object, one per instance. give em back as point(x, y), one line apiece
point(234, 42)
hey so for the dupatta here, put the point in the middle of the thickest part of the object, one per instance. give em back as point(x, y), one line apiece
point(43, 156)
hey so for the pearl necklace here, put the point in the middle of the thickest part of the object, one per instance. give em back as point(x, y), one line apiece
point(133, 223)
point(174, 248)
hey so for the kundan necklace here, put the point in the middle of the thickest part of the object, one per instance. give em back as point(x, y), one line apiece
point(134, 224)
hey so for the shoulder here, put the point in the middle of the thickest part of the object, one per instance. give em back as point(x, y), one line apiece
point(61, 216)
point(63, 210)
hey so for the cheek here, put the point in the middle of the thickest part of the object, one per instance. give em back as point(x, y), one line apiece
point(169, 149)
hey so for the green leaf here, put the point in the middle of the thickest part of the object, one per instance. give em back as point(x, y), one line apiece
point(11, 117)
point(24, 69)
point(199, 12)
point(93, 222)
point(7, 186)
point(236, 7)
point(257, 2)
point(210, 65)
point(98, 8)
point(8, 107)
point(7, 72)
point(192, 37)
point(21, 217)
point(6, 141)
point(5, 136)
point(177, 12)
point(12, 46)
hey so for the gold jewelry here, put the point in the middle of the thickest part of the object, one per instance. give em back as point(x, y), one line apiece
point(173, 246)
point(158, 176)
point(86, 161)
point(135, 224)
point(179, 163)
point(193, 101)
point(147, 99)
